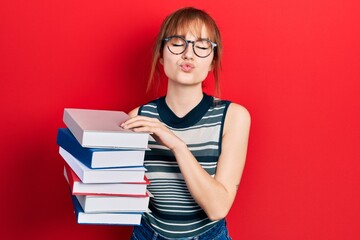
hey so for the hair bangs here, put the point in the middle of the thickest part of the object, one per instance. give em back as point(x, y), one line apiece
point(193, 25)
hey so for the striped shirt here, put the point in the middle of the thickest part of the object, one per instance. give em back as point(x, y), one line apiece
point(174, 212)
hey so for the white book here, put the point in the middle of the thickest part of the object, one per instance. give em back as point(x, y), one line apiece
point(116, 189)
point(120, 218)
point(101, 129)
point(99, 157)
point(108, 175)
point(105, 203)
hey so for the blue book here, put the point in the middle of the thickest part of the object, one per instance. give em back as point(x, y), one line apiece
point(99, 157)
point(109, 218)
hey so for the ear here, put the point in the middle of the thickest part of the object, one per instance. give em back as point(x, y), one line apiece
point(161, 61)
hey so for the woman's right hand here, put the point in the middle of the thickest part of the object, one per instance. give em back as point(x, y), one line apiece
point(157, 129)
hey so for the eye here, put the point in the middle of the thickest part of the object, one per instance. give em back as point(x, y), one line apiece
point(202, 48)
point(202, 45)
point(177, 42)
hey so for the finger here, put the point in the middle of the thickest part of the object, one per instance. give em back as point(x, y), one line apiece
point(143, 129)
point(138, 118)
point(140, 123)
point(128, 122)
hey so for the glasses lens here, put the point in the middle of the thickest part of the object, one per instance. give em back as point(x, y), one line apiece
point(177, 45)
point(203, 48)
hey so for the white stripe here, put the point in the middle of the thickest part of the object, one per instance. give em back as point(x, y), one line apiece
point(164, 184)
point(213, 116)
point(199, 136)
point(163, 175)
point(178, 210)
point(208, 163)
point(150, 113)
point(195, 148)
point(176, 206)
point(217, 108)
point(151, 105)
point(167, 181)
point(206, 125)
point(167, 193)
point(157, 146)
point(203, 148)
point(179, 224)
point(180, 232)
point(175, 200)
point(170, 197)
point(161, 165)
point(163, 191)
point(166, 187)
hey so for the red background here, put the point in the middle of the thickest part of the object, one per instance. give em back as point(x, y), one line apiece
point(294, 65)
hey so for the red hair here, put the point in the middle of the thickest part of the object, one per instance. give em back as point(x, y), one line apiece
point(179, 23)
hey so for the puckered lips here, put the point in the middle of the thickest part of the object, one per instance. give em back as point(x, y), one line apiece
point(187, 67)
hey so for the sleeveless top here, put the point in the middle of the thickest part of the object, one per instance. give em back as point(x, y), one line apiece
point(173, 211)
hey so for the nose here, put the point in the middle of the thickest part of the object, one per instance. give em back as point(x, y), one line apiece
point(189, 51)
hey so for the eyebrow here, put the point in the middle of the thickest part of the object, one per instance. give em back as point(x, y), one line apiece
point(197, 39)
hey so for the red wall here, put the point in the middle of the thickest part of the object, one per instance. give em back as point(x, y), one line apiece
point(294, 64)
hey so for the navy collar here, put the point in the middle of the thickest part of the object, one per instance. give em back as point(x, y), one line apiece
point(190, 119)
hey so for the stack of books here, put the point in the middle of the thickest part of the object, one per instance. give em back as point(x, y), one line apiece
point(103, 165)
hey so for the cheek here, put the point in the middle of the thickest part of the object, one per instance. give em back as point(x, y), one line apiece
point(204, 70)
point(208, 62)
point(169, 62)
point(168, 58)
point(208, 65)
point(169, 67)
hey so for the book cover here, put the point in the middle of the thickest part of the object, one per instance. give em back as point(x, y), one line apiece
point(103, 203)
point(108, 175)
point(99, 157)
point(116, 189)
point(119, 218)
point(101, 129)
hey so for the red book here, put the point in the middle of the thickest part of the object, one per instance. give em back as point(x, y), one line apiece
point(117, 189)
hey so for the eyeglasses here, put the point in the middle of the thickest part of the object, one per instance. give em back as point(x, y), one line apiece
point(202, 47)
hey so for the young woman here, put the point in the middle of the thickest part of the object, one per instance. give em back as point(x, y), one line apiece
point(198, 142)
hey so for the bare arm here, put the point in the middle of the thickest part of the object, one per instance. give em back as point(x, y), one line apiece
point(207, 191)
point(134, 112)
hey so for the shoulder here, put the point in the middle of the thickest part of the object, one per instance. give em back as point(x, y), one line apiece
point(233, 109)
point(237, 116)
point(238, 110)
point(134, 112)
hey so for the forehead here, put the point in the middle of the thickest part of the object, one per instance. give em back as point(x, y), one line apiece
point(195, 28)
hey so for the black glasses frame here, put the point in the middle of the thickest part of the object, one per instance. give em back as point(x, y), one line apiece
point(213, 45)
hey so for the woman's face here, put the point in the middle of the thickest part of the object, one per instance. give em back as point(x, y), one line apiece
point(187, 68)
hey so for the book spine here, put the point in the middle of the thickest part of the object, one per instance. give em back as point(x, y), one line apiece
point(67, 141)
point(68, 180)
point(105, 218)
point(73, 126)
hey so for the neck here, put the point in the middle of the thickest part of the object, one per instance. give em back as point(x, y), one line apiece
point(181, 101)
